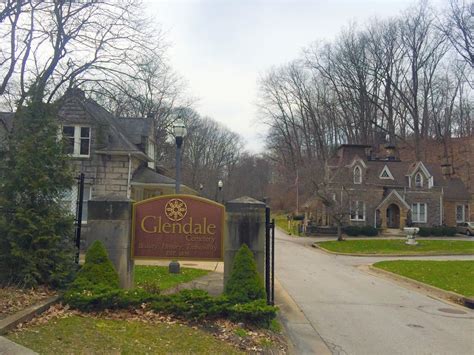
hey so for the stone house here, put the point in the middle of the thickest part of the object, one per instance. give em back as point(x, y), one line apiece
point(382, 191)
point(117, 155)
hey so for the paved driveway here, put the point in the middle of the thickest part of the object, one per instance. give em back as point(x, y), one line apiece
point(358, 313)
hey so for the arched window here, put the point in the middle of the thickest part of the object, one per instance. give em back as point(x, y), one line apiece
point(357, 175)
point(418, 180)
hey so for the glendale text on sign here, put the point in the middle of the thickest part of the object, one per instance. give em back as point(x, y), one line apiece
point(178, 227)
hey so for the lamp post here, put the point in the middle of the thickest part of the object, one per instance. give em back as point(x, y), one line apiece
point(179, 130)
point(220, 184)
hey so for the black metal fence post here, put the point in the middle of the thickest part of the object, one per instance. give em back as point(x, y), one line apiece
point(79, 200)
point(273, 261)
point(267, 255)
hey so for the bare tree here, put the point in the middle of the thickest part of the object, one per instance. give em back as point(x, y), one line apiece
point(458, 27)
point(49, 46)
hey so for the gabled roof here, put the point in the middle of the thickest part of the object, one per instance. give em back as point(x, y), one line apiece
point(116, 140)
point(393, 195)
point(145, 175)
point(456, 190)
point(419, 166)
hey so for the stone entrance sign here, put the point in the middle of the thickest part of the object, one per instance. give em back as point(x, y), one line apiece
point(179, 227)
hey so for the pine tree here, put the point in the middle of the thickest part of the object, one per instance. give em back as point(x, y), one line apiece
point(245, 284)
point(35, 229)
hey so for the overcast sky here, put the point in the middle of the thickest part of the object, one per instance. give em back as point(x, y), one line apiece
point(221, 47)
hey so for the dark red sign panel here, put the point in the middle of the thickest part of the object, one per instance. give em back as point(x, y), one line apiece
point(178, 227)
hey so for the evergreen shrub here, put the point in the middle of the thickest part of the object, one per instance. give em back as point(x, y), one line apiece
point(424, 231)
point(256, 312)
point(244, 284)
point(97, 283)
point(355, 231)
point(36, 244)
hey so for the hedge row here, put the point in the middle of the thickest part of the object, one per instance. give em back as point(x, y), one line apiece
point(438, 231)
point(354, 231)
point(96, 288)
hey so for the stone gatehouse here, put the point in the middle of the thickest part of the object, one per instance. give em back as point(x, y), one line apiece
point(382, 191)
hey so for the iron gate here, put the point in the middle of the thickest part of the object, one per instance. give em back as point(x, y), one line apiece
point(78, 217)
point(269, 257)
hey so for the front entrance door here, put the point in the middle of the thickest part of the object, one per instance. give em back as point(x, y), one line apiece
point(393, 216)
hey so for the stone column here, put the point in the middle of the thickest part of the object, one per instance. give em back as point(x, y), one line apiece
point(245, 223)
point(383, 217)
point(109, 220)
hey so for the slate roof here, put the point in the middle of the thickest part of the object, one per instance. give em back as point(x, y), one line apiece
point(136, 127)
point(341, 172)
point(117, 140)
point(145, 175)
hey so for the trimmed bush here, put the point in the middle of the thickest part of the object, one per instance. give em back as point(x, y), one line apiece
point(352, 231)
point(369, 231)
point(438, 231)
point(245, 284)
point(96, 284)
point(449, 231)
point(256, 312)
point(298, 217)
point(424, 232)
point(355, 231)
point(192, 304)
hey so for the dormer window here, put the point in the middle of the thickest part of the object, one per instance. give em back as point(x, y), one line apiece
point(77, 140)
point(357, 175)
point(418, 180)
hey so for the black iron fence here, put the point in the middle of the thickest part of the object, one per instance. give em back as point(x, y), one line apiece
point(269, 257)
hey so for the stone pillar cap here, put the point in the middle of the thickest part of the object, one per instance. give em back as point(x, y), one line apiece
point(244, 202)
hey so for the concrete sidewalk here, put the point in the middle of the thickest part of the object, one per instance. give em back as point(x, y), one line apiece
point(8, 347)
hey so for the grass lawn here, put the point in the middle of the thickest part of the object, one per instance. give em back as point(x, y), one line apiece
point(158, 276)
point(450, 275)
point(281, 222)
point(87, 335)
point(398, 246)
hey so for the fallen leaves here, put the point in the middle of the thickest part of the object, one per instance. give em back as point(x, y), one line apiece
point(256, 340)
point(14, 299)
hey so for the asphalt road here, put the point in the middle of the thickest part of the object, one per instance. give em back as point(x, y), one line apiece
point(358, 313)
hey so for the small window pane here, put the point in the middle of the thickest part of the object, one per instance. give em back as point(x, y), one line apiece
point(84, 146)
point(68, 131)
point(85, 132)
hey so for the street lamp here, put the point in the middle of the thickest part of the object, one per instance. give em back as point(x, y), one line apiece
point(180, 131)
point(220, 184)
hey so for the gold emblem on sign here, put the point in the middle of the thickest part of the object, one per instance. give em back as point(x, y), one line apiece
point(176, 209)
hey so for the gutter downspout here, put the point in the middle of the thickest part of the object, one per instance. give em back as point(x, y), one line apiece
point(129, 178)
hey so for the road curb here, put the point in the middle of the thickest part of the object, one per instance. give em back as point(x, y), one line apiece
point(316, 246)
point(303, 338)
point(26, 314)
point(432, 290)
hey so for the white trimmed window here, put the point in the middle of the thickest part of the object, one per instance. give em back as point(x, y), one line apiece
point(357, 210)
point(419, 212)
point(461, 213)
point(357, 175)
point(78, 140)
point(418, 180)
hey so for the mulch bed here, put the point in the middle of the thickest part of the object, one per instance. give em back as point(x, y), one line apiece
point(222, 329)
point(14, 299)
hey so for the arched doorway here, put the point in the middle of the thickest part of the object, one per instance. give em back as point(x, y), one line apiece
point(393, 216)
